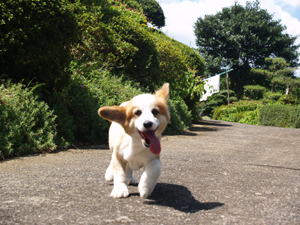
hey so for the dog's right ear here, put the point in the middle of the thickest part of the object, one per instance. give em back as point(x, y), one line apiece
point(163, 92)
point(113, 113)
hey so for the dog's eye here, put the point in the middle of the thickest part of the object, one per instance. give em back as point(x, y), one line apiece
point(155, 112)
point(138, 112)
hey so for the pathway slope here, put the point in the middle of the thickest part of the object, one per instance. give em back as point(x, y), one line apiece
point(215, 173)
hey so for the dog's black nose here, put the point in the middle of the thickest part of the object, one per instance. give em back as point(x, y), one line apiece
point(148, 124)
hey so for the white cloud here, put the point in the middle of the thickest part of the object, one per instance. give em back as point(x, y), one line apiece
point(182, 15)
point(293, 3)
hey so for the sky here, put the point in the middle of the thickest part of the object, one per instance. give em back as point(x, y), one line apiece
point(181, 16)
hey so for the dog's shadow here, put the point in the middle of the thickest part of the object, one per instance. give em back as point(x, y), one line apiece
point(179, 198)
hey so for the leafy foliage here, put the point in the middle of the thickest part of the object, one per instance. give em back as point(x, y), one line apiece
point(241, 111)
point(79, 56)
point(89, 90)
point(181, 67)
point(26, 124)
point(35, 40)
point(280, 116)
point(216, 100)
point(153, 11)
point(181, 117)
point(101, 44)
point(279, 72)
point(254, 91)
point(241, 38)
point(270, 97)
point(288, 100)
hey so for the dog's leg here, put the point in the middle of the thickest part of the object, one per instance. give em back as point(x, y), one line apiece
point(129, 174)
point(149, 178)
point(109, 175)
point(120, 189)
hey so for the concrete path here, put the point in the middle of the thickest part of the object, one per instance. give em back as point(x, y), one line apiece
point(216, 173)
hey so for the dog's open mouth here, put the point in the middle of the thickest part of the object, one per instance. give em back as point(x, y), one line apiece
point(150, 140)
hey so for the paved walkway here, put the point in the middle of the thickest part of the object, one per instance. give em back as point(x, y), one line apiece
point(216, 173)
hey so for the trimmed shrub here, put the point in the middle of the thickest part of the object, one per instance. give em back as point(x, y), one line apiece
point(180, 72)
point(153, 11)
point(280, 116)
point(26, 124)
point(288, 100)
point(250, 117)
point(35, 40)
point(272, 96)
point(295, 117)
point(181, 117)
point(216, 100)
point(64, 121)
point(101, 44)
point(238, 112)
point(89, 90)
point(144, 65)
point(254, 91)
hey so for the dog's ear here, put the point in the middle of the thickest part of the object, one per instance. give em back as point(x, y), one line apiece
point(163, 92)
point(113, 113)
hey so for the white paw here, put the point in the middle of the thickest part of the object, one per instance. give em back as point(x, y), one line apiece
point(144, 192)
point(120, 191)
point(131, 181)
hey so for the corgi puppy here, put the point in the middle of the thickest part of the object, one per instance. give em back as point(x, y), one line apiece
point(134, 139)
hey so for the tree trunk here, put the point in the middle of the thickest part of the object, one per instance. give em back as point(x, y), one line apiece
point(287, 89)
point(227, 89)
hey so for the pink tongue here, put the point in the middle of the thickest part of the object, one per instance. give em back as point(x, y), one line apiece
point(154, 142)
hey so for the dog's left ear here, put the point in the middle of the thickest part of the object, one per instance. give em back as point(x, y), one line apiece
point(113, 113)
point(163, 92)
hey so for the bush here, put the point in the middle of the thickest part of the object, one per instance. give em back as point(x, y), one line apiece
point(271, 97)
point(241, 111)
point(180, 71)
point(35, 40)
point(144, 65)
point(96, 88)
point(250, 117)
point(216, 100)
point(181, 117)
point(101, 44)
point(288, 100)
point(254, 91)
point(64, 121)
point(153, 11)
point(89, 90)
point(280, 116)
point(26, 124)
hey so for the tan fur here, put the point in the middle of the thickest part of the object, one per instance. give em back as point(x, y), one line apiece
point(128, 151)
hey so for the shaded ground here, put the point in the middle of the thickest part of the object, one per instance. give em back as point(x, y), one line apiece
point(216, 173)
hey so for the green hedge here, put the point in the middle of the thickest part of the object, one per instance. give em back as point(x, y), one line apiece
point(116, 57)
point(254, 91)
point(35, 40)
point(181, 117)
point(216, 100)
point(241, 111)
point(26, 124)
point(280, 116)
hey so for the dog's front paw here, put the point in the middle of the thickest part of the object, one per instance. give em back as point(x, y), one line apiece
point(144, 192)
point(120, 191)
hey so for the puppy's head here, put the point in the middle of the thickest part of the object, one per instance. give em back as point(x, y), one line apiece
point(145, 114)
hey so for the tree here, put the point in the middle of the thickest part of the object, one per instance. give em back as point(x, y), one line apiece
point(241, 38)
point(153, 11)
point(279, 72)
